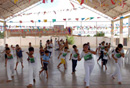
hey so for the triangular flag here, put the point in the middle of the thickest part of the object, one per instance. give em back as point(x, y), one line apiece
point(43, 1)
point(45, 20)
point(82, 18)
point(82, 1)
point(51, 1)
point(53, 20)
point(69, 18)
point(64, 19)
point(32, 21)
point(87, 19)
point(77, 19)
point(15, 1)
point(39, 20)
point(20, 21)
point(78, 1)
point(91, 18)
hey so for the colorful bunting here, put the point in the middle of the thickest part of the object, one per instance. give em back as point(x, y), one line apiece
point(32, 21)
point(72, 5)
point(45, 20)
point(20, 21)
point(53, 20)
point(39, 20)
point(51, 1)
point(77, 19)
point(64, 19)
point(91, 18)
point(82, 1)
point(43, 1)
point(15, 1)
point(82, 18)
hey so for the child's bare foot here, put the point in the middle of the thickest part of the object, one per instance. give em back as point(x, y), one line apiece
point(8, 80)
point(34, 80)
point(29, 86)
point(113, 77)
point(119, 83)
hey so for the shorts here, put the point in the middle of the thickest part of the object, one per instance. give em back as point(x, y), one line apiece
point(62, 61)
point(19, 59)
point(45, 66)
point(104, 61)
point(5, 56)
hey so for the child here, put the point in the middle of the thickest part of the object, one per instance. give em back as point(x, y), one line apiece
point(6, 46)
point(32, 66)
point(63, 55)
point(45, 62)
point(74, 56)
point(41, 54)
point(88, 62)
point(10, 65)
point(19, 56)
point(40, 43)
point(105, 57)
point(12, 50)
point(117, 56)
point(49, 47)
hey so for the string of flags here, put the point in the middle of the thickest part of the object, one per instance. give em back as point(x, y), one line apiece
point(64, 19)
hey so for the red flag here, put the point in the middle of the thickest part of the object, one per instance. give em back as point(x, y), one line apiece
point(20, 21)
point(29, 1)
point(43, 1)
point(51, 1)
point(77, 19)
point(64, 19)
point(72, 4)
point(32, 21)
point(82, 1)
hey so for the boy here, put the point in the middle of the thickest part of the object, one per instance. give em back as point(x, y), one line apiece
point(6, 46)
point(74, 56)
point(45, 62)
point(105, 57)
point(32, 66)
point(19, 56)
point(40, 43)
point(63, 55)
point(49, 47)
point(10, 65)
point(117, 56)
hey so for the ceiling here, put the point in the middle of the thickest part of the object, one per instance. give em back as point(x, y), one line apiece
point(107, 8)
point(9, 8)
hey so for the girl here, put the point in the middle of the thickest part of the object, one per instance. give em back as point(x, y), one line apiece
point(88, 62)
point(10, 65)
point(63, 57)
point(117, 56)
point(74, 56)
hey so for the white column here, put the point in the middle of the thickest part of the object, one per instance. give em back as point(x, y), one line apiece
point(121, 31)
point(112, 33)
point(5, 32)
point(128, 28)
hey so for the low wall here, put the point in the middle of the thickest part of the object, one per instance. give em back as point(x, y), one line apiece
point(79, 41)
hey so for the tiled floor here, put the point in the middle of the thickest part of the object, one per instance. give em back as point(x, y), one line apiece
point(60, 78)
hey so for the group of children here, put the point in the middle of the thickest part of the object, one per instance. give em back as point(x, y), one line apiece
point(45, 55)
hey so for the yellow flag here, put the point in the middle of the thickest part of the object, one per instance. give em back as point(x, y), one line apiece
point(15, 1)
point(79, 1)
point(87, 19)
point(45, 20)
point(86, 1)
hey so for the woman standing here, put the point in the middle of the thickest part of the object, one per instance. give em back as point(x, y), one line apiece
point(88, 63)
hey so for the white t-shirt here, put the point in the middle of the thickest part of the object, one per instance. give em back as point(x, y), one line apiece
point(32, 61)
point(74, 55)
point(102, 48)
point(88, 57)
point(50, 45)
point(118, 55)
point(106, 55)
point(64, 54)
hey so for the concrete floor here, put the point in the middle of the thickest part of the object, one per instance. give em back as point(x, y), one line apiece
point(60, 78)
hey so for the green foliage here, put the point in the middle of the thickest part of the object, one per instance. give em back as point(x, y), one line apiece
point(1, 35)
point(99, 34)
point(88, 35)
point(70, 40)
